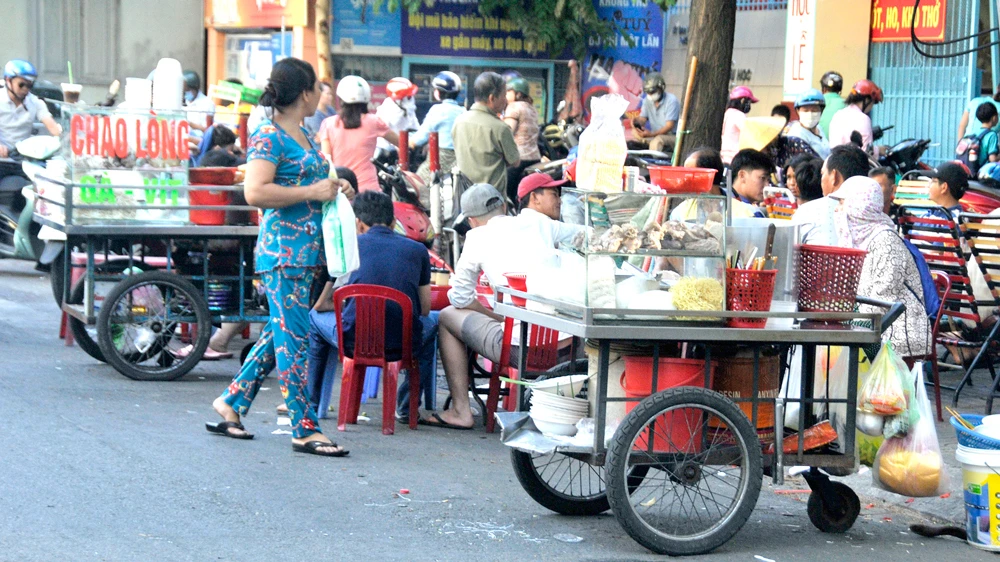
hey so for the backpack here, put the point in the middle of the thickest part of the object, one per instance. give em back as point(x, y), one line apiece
point(970, 151)
point(931, 300)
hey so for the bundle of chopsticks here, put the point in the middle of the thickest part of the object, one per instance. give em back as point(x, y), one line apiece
point(752, 263)
point(960, 419)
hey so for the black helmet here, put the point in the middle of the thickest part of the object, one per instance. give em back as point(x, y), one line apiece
point(832, 81)
point(654, 81)
point(192, 80)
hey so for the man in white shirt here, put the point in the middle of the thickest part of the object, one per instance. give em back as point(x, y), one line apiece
point(198, 105)
point(496, 245)
point(19, 108)
point(816, 217)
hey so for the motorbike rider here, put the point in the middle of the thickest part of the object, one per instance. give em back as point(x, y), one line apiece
point(399, 109)
point(661, 110)
point(440, 119)
point(855, 117)
point(198, 105)
point(740, 99)
point(19, 108)
point(809, 106)
point(832, 83)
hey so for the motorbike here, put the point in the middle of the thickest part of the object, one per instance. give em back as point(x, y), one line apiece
point(558, 137)
point(405, 188)
point(18, 232)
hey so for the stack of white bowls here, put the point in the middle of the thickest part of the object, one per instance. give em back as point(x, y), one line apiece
point(555, 414)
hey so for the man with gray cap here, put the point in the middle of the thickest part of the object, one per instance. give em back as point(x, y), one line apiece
point(496, 245)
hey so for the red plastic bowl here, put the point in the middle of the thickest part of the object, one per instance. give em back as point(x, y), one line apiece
point(212, 176)
point(675, 179)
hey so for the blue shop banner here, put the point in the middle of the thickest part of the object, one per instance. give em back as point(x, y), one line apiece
point(616, 67)
point(455, 28)
point(358, 29)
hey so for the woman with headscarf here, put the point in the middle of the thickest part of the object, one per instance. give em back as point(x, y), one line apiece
point(889, 274)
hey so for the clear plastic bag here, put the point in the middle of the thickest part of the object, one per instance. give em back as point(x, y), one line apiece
point(340, 237)
point(912, 465)
point(602, 149)
point(883, 392)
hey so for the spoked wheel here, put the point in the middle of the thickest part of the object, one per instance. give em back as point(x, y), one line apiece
point(84, 335)
point(704, 471)
point(139, 328)
point(565, 484)
point(833, 508)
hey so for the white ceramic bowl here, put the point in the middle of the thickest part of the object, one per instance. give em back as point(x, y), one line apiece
point(568, 386)
point(559, 401)
point(548, 408)
point(554, 428)
point(991, 420)
point(992, 431)
point(549, 415)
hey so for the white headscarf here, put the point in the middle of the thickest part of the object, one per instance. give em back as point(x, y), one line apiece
point(859, 218)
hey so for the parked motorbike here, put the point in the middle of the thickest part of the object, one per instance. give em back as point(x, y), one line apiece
point(405, 188)
point(557, 137)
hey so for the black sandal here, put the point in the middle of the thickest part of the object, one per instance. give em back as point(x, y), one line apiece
point(313, 448)
point(223, 428)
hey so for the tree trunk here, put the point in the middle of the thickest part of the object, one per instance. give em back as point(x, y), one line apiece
point(323, 62)
point(710, 31)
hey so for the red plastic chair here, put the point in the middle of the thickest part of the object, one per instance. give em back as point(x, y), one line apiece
point(542, 348)
point(943, 284)
point(369, 351)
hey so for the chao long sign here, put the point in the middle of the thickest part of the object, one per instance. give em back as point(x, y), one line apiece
point(891, 20)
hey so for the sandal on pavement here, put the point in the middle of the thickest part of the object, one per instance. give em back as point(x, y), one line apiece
point(439, 422)
point(225, 428)
point(209, 355)
point(281, 410)
point(313, 448)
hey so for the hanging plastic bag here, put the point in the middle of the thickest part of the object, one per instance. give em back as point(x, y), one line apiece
point(899, 425)
point(602, 149)
point(340, 237)
point(883, 392)
point(912, 465)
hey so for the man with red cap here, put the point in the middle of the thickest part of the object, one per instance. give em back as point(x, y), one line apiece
point(499, 244)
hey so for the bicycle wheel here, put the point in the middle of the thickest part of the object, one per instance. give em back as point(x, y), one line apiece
point(707, 477)
point(140, 323)
point(84, 335)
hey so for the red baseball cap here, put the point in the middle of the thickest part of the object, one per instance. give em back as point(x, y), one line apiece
point(535, 181)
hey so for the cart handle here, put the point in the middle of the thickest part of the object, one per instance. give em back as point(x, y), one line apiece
point(896, 309)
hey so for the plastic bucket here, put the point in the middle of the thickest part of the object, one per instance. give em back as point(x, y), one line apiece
point(683, 431)
point(734, 379)
point(205, 217)
point(981, 491)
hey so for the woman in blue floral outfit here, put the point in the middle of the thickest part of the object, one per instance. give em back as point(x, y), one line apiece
point(288, 177)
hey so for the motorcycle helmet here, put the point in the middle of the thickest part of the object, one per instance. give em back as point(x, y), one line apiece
point(448, 82)
point(399, 88)
point(553, 135)
point(18, 68)
point(519, 85)
point(810, 97)
point(867, 88)
point(989, 174)
point(354, 89)
point(740, 92)
point(654, 82)
point(832, 81)
point(509, 75)
point(192, 80)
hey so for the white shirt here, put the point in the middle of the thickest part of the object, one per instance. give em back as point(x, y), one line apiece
point(258, 115)
point(816, 218)
point(507, 245)
point(817, 142)
point(199, 109)
point(17, 121)
point(848, 120)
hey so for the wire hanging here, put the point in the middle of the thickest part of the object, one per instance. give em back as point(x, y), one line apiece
point(918, 43)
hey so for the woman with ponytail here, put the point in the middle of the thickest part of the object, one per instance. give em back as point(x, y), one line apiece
point(288, 177)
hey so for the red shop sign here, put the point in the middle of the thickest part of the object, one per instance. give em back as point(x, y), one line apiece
point(891, 20)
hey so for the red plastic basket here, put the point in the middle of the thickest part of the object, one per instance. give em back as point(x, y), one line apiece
point(675, 179)
point(828, 278)
point(748, 290)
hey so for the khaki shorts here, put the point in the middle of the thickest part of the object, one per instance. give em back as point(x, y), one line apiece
point(484, 335)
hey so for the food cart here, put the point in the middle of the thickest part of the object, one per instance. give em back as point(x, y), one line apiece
point(158, 259)
point(680, 460)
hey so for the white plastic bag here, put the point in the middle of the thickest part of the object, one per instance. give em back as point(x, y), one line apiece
point(602, 149)
point(912, 465)
point(340, 237)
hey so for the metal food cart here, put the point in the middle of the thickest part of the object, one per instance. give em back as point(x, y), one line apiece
point(683, 470)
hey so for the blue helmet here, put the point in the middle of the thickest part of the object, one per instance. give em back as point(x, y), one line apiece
point(20, 69)
point(810, 97)
point(448, 82)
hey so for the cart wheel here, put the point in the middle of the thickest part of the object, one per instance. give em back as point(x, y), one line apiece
point(139, 323)
point(84, 335)
point(565, 484)
point(57, 279)
point(834, 509)
point(708, 478)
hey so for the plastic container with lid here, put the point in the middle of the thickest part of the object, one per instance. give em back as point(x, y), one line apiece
point(168, 85)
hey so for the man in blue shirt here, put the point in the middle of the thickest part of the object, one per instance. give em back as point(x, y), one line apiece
point(440, 119)
point(390, 260)
point(660, 110)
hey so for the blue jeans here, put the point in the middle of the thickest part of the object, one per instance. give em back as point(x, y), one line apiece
point(323, 361)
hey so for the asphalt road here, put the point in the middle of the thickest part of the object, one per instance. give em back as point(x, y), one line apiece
point(98, 467)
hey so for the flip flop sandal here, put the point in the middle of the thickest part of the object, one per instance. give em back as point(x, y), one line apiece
point(313, 448)
point(441, 423)
point(281, 410)
point(213, 355)
point(223, 428)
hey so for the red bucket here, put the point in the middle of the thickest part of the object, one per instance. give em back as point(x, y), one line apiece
point(673, 432)
point(829, 277)
point(518, 282)
point(204, 217)
point(749, 290)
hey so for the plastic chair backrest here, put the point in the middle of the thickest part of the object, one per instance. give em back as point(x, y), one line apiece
point(982, 233)
point(939, 240)
point(542, 346)
point(943, 284)
point(369, 321)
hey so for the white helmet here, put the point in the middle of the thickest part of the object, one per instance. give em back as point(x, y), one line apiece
point(354, 89)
